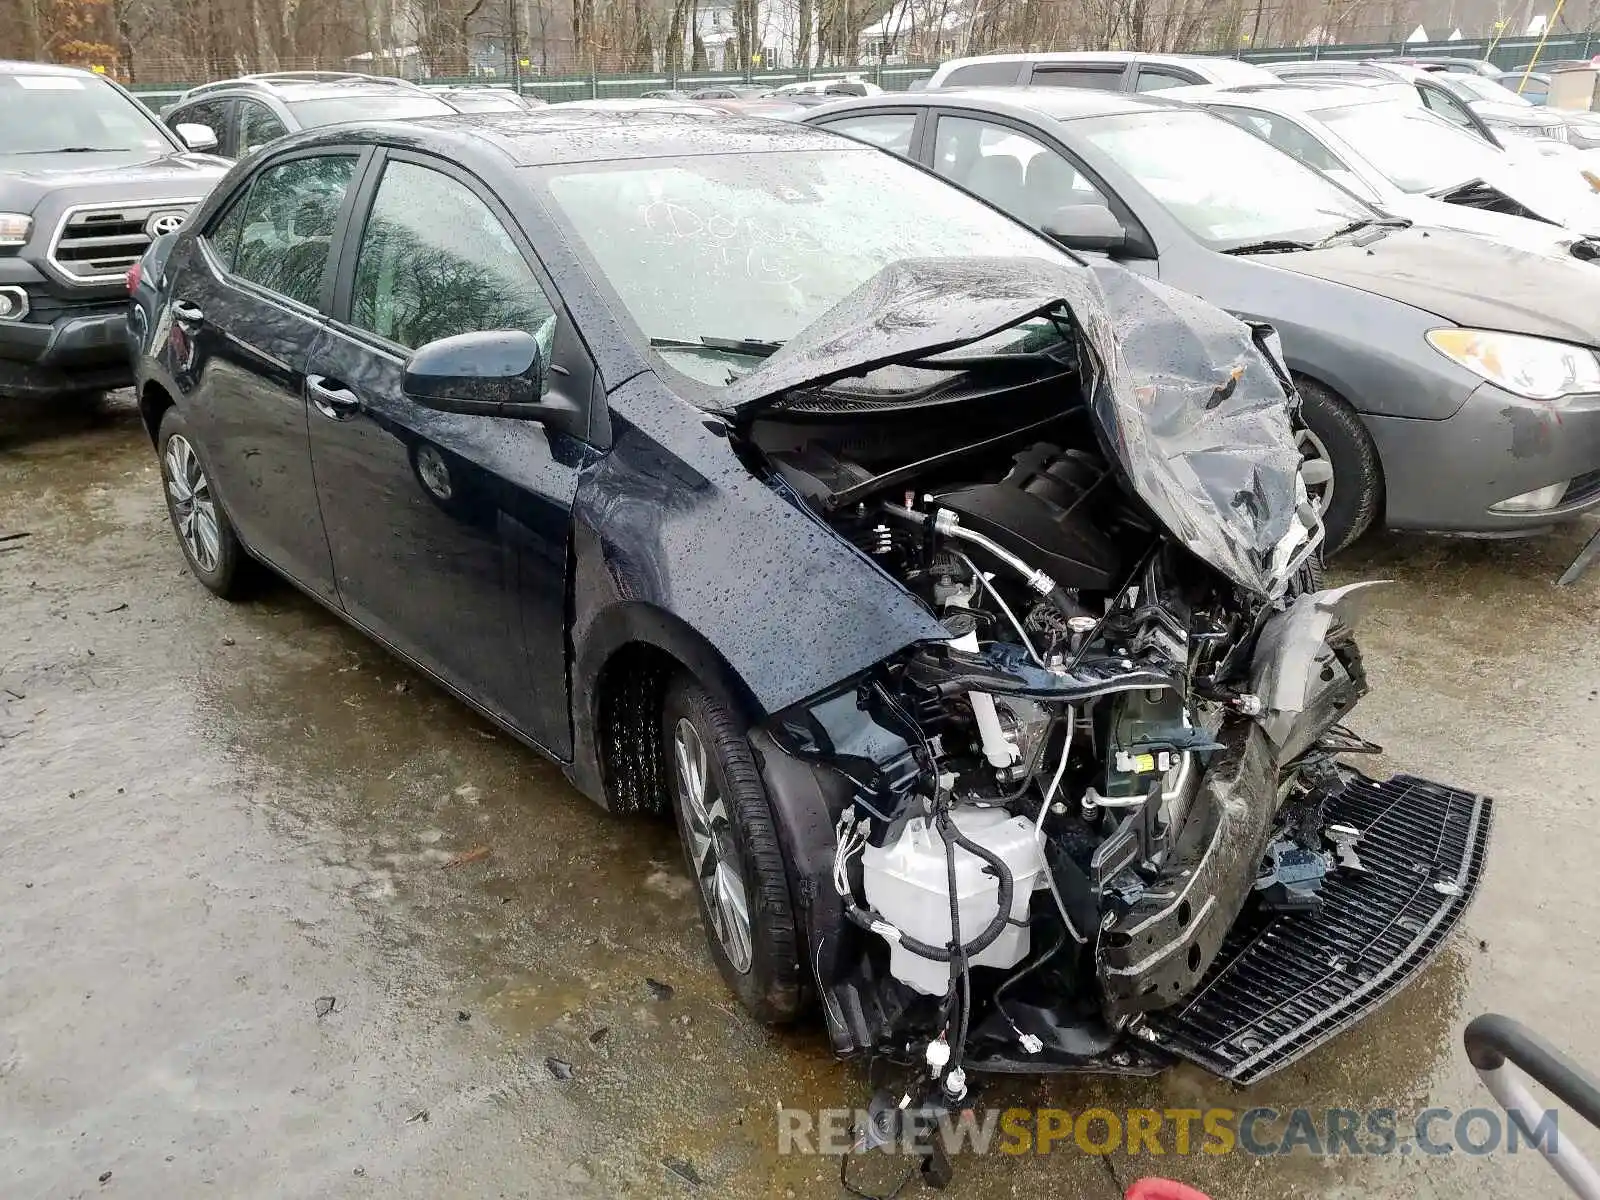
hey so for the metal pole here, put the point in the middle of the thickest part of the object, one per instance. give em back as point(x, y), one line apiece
point(516, 50)
point(1543, 35)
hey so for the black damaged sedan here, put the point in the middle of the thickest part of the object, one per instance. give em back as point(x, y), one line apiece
point(959, 599)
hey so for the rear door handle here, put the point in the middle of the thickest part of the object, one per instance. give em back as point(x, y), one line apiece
point(332, 400)
point(186, 313)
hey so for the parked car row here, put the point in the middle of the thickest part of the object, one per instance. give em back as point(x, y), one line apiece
point(1430, 320)
point(1431, 290)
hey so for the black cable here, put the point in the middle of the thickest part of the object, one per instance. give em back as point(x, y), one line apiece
point(866, 917)
point(845, 1183)
point(959, 971)
point(1030, 968)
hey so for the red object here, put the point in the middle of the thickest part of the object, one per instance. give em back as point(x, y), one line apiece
point(135, 273)
point(1161, 1189)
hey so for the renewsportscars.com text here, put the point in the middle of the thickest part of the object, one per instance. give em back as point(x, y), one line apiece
point(1262, 1132)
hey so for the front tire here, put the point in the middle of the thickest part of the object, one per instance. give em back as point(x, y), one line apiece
point(731, 847)
point(1336, 447)
point(211, 548)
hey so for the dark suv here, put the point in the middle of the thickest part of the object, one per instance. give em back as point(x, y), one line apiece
point(87, 178)
point(248, 112)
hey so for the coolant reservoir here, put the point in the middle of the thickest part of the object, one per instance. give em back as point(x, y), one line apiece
point(907, 882)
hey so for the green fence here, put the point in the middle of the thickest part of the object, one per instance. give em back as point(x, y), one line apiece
point(1507, 53)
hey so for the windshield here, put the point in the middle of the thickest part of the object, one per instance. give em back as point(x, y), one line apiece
point(1412, 148)
point(485, 101)
point(1227, 187)
point(750, 249)
point(40, 114)
point(370, 106)
point(1481, 88)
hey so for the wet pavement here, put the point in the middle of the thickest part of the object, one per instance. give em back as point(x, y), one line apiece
point(278, 917)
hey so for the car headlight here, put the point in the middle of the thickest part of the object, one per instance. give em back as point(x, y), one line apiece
point(1528, 366)
point(14, 228)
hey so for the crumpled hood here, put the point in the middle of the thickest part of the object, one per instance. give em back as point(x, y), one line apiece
point(1465, 280)
point(1185, 400)
point(910, 309)
point(27, 179)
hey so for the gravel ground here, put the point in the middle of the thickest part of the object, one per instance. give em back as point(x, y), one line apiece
point(279, 917)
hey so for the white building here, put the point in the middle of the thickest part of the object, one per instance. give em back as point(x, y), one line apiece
point(916, 31)
point(777, 36)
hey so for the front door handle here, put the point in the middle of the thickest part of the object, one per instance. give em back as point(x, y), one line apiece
point(332, 400)
point(186, 313)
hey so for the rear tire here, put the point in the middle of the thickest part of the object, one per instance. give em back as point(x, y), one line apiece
point(213, 551)
point(1339, 437)
point(731, 848)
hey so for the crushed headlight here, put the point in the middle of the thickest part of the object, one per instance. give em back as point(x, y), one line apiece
point(1535, 368)
point(1538, 500)
point(14, 228)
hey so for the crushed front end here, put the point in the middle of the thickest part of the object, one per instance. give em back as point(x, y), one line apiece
point(1104, 821)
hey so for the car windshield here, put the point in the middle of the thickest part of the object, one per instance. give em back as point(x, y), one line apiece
point(43, 114)
point(1410, 147)
point(1482, 88)
point(747, 250)
point(368, 106)
point(1227, 187)
point(485, 101)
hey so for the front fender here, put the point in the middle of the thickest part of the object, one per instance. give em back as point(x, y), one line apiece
point(676, 543)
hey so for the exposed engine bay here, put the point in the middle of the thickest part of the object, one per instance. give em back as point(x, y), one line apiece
point(1028, 837)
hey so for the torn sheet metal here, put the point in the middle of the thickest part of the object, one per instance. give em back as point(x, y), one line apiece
point(1300, 699)
point(1188, 402)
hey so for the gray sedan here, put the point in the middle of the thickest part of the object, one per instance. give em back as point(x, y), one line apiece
point(1450, 384)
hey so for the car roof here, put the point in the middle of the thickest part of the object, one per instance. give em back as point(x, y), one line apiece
point(15, 67)
point(1289, 97)
point(1349, 66)
point(1062, 104)
point(306, 85)
point(570, 133)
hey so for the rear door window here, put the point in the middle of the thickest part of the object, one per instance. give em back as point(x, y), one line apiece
point(887, 131)
point(258, 125)
point(984, 74)
point(1104, 79)
point(1447, 106)
point(1156, 79)
point(287, 227)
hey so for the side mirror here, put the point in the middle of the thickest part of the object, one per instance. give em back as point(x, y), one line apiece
point(197, 137)
point(495, 374)
point(1088, 227)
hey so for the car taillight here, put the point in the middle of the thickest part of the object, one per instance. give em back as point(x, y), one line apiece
point(135, 273)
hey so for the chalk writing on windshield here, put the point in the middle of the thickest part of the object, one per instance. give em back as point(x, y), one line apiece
point(770, 252)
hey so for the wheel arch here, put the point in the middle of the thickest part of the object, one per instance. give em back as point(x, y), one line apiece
point(1379, 507)
point(154, 400)
point(620, 679)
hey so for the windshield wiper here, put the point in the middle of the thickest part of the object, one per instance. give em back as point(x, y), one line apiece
point(752, 347)
point(1270, 246)
point(1366, 223)
point(76, 150)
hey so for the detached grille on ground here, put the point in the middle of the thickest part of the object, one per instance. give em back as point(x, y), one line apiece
point(1282, 985)
point(101, 243)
